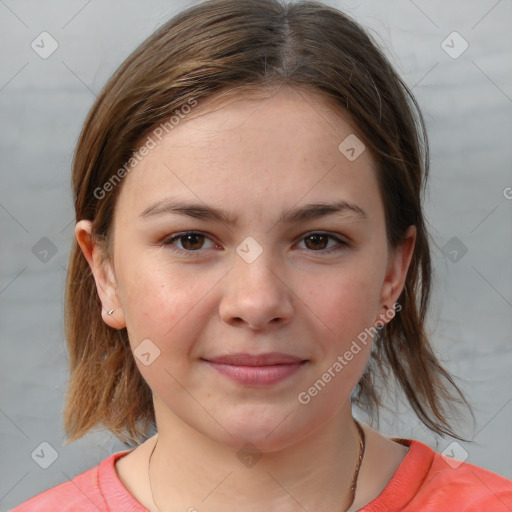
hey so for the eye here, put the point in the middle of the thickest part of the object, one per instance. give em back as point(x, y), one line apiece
point(318, 242)
point(190, 241)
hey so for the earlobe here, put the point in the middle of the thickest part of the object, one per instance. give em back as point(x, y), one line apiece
point(114, 318)
point(112, 312)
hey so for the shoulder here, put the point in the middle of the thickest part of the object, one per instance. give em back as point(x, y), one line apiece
point(85, 492)
point(467, 485)
point(431, 482)
point(80, 494)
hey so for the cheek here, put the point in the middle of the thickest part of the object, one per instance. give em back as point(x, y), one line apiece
point(162, 319)
point(156, 300)
point(345, 302)
point(346, 308)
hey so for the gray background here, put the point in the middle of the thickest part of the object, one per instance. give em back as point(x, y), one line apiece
point(467, 103)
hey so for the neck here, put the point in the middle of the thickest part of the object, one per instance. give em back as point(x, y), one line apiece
point(190, 471)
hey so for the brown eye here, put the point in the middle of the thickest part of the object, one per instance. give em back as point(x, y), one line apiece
point(317, 241)
point(192, 241)
point(187, 242)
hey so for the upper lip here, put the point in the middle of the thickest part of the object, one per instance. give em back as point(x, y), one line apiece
point(267, 359)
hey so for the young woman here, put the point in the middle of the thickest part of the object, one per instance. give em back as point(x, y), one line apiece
point(251, 262)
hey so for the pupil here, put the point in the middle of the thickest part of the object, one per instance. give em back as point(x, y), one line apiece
point(188, 238)
point(192, 240)
point(316, 239)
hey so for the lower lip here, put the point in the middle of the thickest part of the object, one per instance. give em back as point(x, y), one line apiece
point(257, 375)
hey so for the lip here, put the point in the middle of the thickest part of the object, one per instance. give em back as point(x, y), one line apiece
point(257, 369)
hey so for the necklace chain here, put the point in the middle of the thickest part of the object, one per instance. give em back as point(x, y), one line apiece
point(353, 485)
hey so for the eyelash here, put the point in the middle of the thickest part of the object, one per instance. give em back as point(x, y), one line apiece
point(168, 242)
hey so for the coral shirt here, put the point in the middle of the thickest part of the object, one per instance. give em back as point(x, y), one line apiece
point(425, 481)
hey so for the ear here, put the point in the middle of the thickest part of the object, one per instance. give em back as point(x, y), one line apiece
point(396, 273)
point(103, 275)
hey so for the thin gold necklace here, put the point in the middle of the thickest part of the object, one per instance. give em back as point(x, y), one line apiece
point(353, 485)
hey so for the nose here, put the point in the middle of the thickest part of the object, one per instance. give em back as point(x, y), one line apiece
point(255, 295)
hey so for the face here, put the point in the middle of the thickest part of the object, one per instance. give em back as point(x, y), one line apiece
point(237, 289)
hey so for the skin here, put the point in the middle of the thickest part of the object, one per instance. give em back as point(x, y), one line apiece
point(255, 158)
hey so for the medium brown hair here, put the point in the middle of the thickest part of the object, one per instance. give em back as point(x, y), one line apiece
point(237, 46)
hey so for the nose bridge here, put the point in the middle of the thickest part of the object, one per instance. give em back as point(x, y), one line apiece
point(255, 292)
point(254, 267)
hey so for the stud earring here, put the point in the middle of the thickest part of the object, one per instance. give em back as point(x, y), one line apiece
point(110, 312)
point(379, 324)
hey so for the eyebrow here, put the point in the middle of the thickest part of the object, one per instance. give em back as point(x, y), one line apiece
point(295, 215)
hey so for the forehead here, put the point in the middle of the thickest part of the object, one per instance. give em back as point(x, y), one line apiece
point(278, 149)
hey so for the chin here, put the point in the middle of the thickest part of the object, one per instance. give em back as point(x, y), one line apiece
point(268, 431)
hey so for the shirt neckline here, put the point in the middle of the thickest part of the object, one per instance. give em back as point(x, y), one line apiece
point(402, 487)
point(407, 479)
